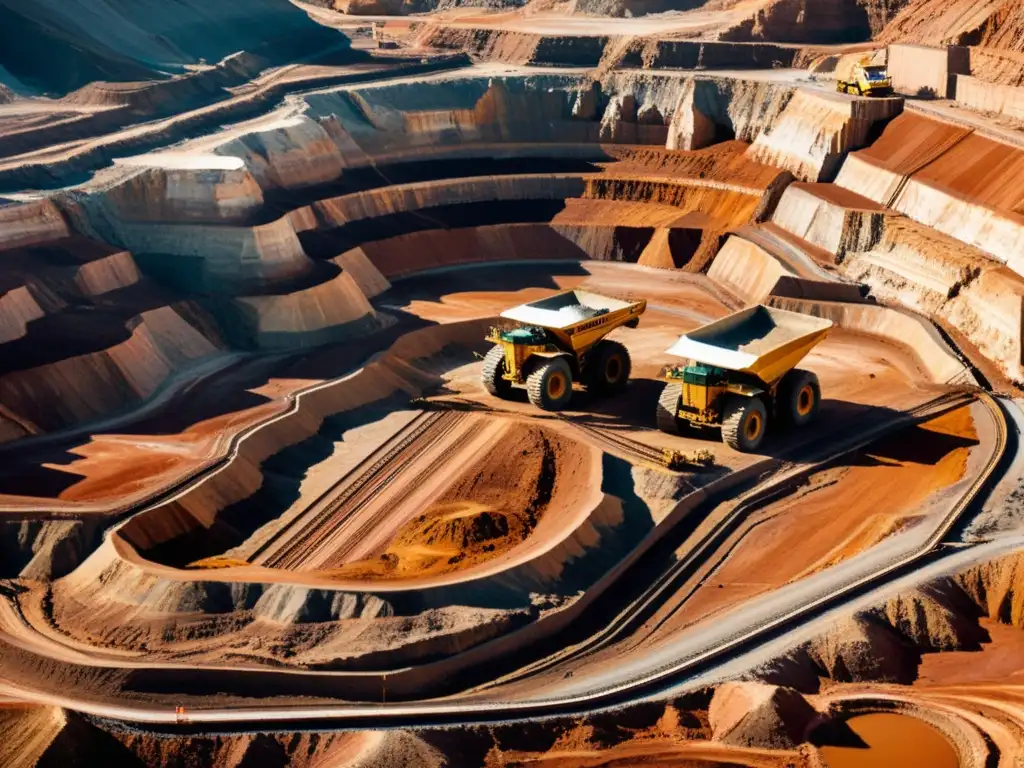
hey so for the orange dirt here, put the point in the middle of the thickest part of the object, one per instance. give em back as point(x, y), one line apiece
point(911, 141)
point(840, 512)
point(490, 509)
point(840, 196)
point(997, 662)
point(981, 170)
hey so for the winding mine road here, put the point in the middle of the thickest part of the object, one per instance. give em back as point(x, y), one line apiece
point(737, 641)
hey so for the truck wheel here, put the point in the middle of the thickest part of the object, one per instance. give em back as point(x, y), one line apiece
point(608, 368)
point(550, 384)
point(668, 409)
point(744, 423)
point(494, 370)
point(799, 397)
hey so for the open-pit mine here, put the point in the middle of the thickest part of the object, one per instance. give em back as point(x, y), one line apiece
point(567, 383)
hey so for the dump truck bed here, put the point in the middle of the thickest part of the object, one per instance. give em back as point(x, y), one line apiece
point(577, 319)
point(763, 341)
point(564, 310)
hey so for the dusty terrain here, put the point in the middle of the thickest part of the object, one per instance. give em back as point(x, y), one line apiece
point(257, 507)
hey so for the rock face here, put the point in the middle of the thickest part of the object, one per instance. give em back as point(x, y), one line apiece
point(885, 643)
point(749, 714)
point(996, 587)
point(987, 23)
point(862, 648)
point(801, 21)
point(936, 617)
point(944, 258)
point(87, 41)
point(816, 130)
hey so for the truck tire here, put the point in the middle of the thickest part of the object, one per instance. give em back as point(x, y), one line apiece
point(799, 397)
point(608, 368)
point(668, 409)
point(494, 370)
point(744, 423)
point(549, 384)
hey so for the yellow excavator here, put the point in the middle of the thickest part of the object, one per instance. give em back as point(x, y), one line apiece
point(554, 341)
point(740, 373)
point(866, 79)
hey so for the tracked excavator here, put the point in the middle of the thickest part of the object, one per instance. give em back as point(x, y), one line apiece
point(552, 342)
point(740, 376)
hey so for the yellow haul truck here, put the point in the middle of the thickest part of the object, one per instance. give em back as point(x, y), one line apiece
point(559, 339)
point(866, 80)
point(740, 373)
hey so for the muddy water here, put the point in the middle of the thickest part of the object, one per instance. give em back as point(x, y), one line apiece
point(893, 741)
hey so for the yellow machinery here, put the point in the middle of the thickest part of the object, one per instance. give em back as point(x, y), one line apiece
point(866, 80)
point(559, 339)
point(740, 373)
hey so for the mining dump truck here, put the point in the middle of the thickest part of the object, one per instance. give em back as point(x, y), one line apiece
point(866, 80)
point(558, 340)
point(740, 374)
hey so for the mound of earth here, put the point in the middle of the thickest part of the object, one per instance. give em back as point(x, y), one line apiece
point(486, 513)
point(749, 714)
point(862, 648)
point(995, 587)
point(936, 617)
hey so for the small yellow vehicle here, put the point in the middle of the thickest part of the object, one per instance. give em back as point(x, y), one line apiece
point(866, 80)
point(558, 340)
point(740, 373)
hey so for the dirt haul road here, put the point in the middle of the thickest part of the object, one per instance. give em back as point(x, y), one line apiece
point(834, 590)
point(252, 468)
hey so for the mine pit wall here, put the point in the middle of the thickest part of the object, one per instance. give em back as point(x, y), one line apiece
point(165, 195)
point(754, 276)
point(939, 277)
point(133, 103)
point(77, 389)
point(938, 360)
point(406, 255)
point(804, 212)
point(746, 270)
point(149, 36)
point(37, 548)
point(338, 211)
point(375, 120)
point(705, 54)
point(989, 97)
point(390, 373)
point(998, 233)
point(18, 307)
point(704, 109)
point(357, 265)
point(29, 223)
point(918, 70)
point(798, 21)
point(221, 256)
point(816, 130)
point(300, 153)
point(924, 179)
point(333, 310)
point(1002, 67)
point(490, 44)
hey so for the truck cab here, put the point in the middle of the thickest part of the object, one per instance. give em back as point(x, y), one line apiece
point(866, 80)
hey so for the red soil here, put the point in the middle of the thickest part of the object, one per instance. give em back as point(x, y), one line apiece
point(840, 512)
point(841, 196)
point(911, 141)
